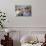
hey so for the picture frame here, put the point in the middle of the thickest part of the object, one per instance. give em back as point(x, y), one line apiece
point(23, 10)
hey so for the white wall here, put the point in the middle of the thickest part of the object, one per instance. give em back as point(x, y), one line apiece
point(38, 18)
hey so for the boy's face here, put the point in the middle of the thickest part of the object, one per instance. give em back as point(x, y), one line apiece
point(26, 10)
point(18, 11)
point(29, 10)
point(22, 10)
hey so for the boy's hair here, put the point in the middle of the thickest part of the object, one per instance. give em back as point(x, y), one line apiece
point(28, 7)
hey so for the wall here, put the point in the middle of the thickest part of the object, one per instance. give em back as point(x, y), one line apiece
point(38, 18)
point(38, 15)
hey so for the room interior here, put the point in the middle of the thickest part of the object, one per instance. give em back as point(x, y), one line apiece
point(23, 31)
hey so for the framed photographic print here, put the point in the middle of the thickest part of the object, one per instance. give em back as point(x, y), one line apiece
point(23, 10)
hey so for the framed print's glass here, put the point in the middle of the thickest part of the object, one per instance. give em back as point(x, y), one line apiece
point(23, 10)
